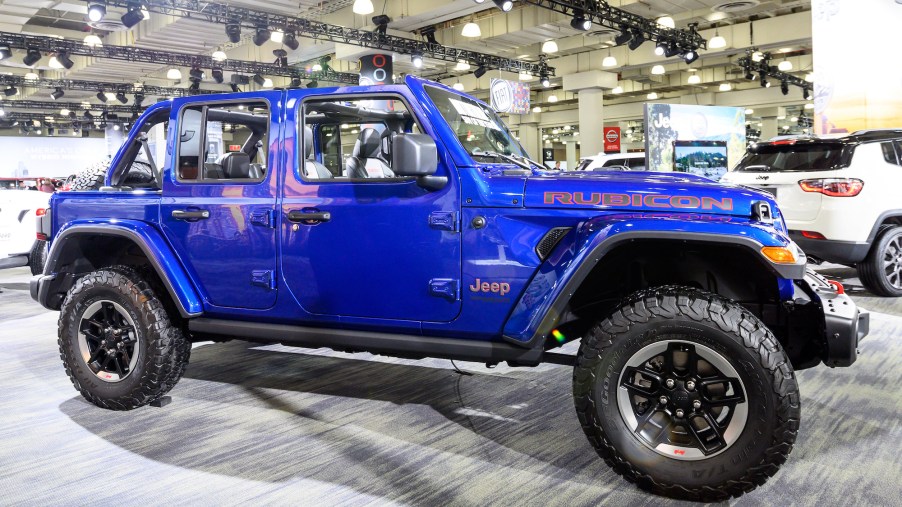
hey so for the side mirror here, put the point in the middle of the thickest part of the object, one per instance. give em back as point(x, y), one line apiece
point(416, 155)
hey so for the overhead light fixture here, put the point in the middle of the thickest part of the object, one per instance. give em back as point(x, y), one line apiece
point(363, 7)
point(196, 73)
point(32, 56)
point(806, 93)
point(174, 74)
point(717, 41)
point(120, 96)
point(658, 70)
point(609, 61)
point(545, 81)
point(637, 39)
point(480, 71)
point(749, 75)
point(504, 5)
point(784, 87)
point(809, 77)
point(195, 87)
point(552, 98)
point(233, 31)
point(57, 94)
point(135, 14)
point(462, 66)
point(671, 50)
point(10, 91)
point(267, 83)
point(666, 22)
point(458, 86)
point(96, 11)
point(660, 48)
point(93, 41)
point(694, 79)
point(263, 34)
point(101, 96)
point(537, 109)
point(524, 76)
point(617, 90)
point(549, 46)
point(5, 52)
point(417, 60)
point(785, 66)
point(63, 60)
point(291, 41)
point(260, 80)
point(219, 56)
point(749, 111)
point(277, 36)
point(471, 30)
point(652, 96)
point(809, 106)
point(295, 82)
point(757, 56)
point(312, 84)
point(316, 67)
point(429, 33)
point(64, 112)
point(623, 37)
point(234, 87)
point(139, 99)
point(381, 21)
point(217, 74)
point(31, 76)
point(725, 87)
point(690, 56)
point(580, 22)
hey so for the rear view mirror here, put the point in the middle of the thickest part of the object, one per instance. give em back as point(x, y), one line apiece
point(416, 155)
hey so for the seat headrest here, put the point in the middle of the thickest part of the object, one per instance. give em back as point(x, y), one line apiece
point(308, 142)
point(368, 145)
point(235, 165)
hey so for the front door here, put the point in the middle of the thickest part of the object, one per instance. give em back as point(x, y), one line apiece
point(358, 241)
point(219, 196)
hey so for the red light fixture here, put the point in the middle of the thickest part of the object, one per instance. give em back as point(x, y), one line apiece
point(812, 235)
point(833, 187)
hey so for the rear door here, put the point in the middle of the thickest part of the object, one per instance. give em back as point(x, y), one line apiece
point(219, 196)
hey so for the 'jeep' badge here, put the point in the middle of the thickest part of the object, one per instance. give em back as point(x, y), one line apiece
point(500, 288)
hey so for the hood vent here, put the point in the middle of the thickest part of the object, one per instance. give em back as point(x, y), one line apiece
point(550, 240)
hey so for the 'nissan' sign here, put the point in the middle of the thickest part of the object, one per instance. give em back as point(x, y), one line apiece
point(612, 139)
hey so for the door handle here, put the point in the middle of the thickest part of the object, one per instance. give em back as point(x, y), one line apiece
point(313, 217)
point(180, 214)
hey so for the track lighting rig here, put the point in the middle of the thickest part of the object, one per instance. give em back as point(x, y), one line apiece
point(93, 86)
point(757, 66)
point(76, 107)
point(634, 29)
point(236, 18)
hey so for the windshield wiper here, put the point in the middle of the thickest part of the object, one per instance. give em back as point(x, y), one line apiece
point(502, 156)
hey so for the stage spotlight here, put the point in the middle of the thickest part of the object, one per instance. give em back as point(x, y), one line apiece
point(101, 96)
point(196, 73)
point(12, 90)
point(295, 82)
point(291, 41)
point(691, 56)
point(623, 37)
point(234, 87)
point(259, 79)
point(637, 39)
point(806, 93)
point(122, 98)
point(281, 57)
point(63, 58)
point(57, 94)
point(32, 56)
point(217, 75)
point(5, 52)
point(133, 16)
point(96, 12)
point(579, 22)
point(429, 33)
point(139, 99)
point(480, 71)
point(784, 87)
point(504, 5)
point(233, 31)
point(749, 75)
point(263, 34)
point(417, 60)
point(381, 21)
point(545, 81)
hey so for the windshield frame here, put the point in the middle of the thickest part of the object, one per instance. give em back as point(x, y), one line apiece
point(491, 114)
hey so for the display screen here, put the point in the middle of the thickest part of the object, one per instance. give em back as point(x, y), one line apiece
point(702, 158)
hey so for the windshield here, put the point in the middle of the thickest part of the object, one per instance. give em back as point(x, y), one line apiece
point(795, 157)
point(477, 126)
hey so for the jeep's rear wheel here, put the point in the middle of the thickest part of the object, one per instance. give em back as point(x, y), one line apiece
point(881, 271)
point(119, 346)
point(687, 394)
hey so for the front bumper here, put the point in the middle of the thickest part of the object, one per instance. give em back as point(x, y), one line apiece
point(845, 325)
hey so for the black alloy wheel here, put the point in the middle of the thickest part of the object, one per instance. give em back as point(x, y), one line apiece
point(108, 341)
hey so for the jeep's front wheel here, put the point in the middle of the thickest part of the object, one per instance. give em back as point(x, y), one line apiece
point(687, 394)
point(119, 346)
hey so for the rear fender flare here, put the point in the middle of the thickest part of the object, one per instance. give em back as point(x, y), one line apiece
point(546, 297)
point(149, 240)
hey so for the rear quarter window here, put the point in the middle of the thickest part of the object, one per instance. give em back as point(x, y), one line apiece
point(796, 158)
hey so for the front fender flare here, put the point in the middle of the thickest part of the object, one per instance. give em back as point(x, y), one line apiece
point(544, 300)
point(151, 242)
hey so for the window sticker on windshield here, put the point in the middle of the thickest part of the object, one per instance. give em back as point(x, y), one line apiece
point(473, 115)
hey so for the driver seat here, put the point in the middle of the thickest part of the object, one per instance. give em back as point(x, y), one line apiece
point(312, 168)
point(367, 160)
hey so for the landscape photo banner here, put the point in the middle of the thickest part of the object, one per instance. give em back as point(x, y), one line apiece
point(856, 86)
point(509, 96)
point(666, 124)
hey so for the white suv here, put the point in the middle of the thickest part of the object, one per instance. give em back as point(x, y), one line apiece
point(602, 162)
point(840, 198)
point(19, 245)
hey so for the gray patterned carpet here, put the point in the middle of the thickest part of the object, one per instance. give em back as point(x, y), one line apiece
point(275, 425)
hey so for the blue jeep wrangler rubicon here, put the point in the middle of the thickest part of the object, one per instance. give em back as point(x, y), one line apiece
point(407, 220)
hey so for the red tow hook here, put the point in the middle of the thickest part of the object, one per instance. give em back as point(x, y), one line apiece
point(838, 286)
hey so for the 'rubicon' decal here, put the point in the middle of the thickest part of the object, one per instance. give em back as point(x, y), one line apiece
point(639, 200)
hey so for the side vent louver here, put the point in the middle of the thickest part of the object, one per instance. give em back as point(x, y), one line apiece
point(550, 240)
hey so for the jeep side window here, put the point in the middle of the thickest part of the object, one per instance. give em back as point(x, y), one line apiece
point(142, 161)
point(223, 142)
point(351, 139)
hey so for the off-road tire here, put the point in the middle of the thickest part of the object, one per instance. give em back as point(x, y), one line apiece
point(871, 269)
point(91, 178)
point(163, 353)
point(37, 257)
point(696, 317)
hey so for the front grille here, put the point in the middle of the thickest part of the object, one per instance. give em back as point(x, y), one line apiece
point(550, 240)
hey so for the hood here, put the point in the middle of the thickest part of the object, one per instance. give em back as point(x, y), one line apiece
point(640, 191)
